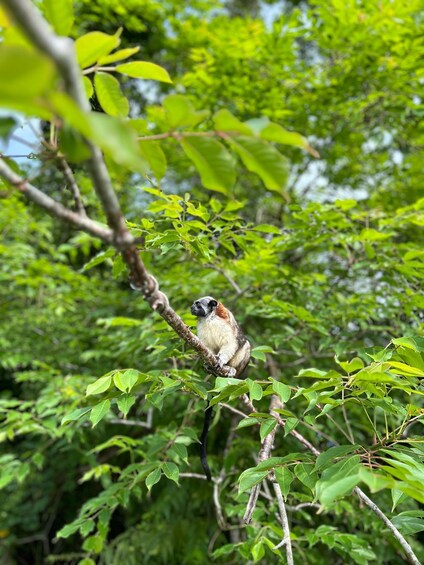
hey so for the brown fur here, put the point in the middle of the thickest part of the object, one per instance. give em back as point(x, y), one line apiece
point(222, 312)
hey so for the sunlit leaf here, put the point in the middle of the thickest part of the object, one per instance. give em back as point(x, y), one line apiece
point(145, 70)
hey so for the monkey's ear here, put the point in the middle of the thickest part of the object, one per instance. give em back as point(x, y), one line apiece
point(213, 304)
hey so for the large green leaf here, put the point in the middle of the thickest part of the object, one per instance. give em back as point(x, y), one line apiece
point(110, 96)
point(93, 45)
point(250, 478)
point(118, 55)
point(26, 76)
point(154, 155)
point(180, 112)
point(142, 69)
point(261, 158)
point(274, 132)
point(224, 120)
point(212, 160)
point(60, 14)
point(99, 412)
point(99, 386)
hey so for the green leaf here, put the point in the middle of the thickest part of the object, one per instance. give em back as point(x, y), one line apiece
point(306, 475)
point(351, 366)
point(98, 259)
point(171, 471)
point(75, 415)
point(118, 55)
point(25, 77)
point(87, 527)
point(274, 132)
point(142, 69)
point(60, 14)
point(7, 125)
point(99, 412)
point(284, 478)
point(290, 425)
point(255, 390)
point(224, 120)
point(73, 145)
point(250, 478)
point(68, 530)
point(153, 154)
point(259, 352)
point(118, 140)
point(212, 160)
point(88, 87)
point(328, 456)
point(282, 390)
point(125, 402)
point(258, 551)
point(263, 159)
point(94, 544)
point(409, 522)
point(87, 561)
point(110, 96)
point(99, 386)
point(375, 481)
point(180, 112)
point(93, 45)
point(126, 380)
point(328, 491)
point(153, 478)
point(266, 427)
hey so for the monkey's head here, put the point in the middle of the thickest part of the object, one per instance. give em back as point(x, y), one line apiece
point(204, 306)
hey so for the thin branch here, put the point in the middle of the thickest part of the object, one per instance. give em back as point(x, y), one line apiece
point(226, 276)
point(193, 476)
point(55, 208)
point(72, 186)
point(286, 541)
point(264, 453)
point(412, 558)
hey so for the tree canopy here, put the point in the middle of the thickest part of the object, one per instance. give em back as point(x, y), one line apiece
point(268, 154)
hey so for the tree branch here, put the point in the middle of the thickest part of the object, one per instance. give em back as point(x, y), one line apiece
point(72, 186)
point(55, 208)
point(286, 541)
point(61, 51)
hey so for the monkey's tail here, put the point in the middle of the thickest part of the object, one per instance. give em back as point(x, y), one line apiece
point(203, 441)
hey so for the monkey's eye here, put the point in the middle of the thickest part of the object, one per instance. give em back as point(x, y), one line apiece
point(213, 303)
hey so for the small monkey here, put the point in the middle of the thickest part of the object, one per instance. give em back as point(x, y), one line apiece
point(219, 331)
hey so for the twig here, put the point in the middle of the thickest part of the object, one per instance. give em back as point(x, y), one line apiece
point(72, 186)
point(193, 476)
point(55, 208)
point(226, 276)
point(264, 453)
point(286, 541)
point(412, 558)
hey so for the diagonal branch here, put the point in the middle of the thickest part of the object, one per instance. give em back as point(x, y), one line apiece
point(72, 186)
point(61, 50)
point(55, 208)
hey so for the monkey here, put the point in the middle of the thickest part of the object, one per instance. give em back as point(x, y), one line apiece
point(218, 330)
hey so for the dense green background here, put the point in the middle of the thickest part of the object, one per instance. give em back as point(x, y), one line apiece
point(325, 269)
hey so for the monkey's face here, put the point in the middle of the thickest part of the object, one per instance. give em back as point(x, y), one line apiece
point(203, 306)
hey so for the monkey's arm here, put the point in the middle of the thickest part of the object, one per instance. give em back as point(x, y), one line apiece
point(227, 352)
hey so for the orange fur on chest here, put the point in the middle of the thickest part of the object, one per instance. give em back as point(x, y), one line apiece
point(222, 312)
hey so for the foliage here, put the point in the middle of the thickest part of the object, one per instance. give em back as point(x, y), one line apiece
point(320, 256)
